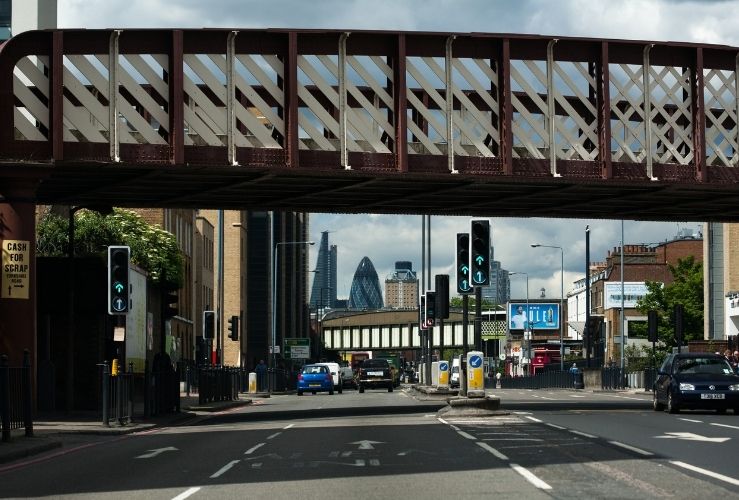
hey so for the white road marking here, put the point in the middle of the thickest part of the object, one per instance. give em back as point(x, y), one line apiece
point(454, 427)
point(492, 450)
point(555, 426)
point(465, 435)
point(726, 425)
point(253, 449)
point(333, 454)
point(359, 462)
point(530, 477)
point(346, 453)
point(689, 436)
point(513, 439)
point(691, 420)
point(576, 396)
point(223, 469)
point(158, 451)
point(287, 427)
point(583, 434)
point(274, 435)
point(374, 461)
point(188, 492)
point(709, 473)
point(442, 421)
point(632, 448)
point(256, 465)
point(366, 444)
point(534, 419)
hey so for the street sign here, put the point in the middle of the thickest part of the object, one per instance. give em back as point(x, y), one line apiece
point(297, 348)
point(16, 269)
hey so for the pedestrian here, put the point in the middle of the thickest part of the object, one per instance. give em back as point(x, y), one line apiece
point(735, 359)
point(261, 370)
point(573, 368)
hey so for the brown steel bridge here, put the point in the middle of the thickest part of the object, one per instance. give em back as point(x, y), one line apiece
point(371, 121)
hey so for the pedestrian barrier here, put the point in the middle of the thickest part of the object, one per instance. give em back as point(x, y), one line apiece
point(220, 383)
point(544, 380)
point(117, 397)
point(16, 396)
point(612, 378)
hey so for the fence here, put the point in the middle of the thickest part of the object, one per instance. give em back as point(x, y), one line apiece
point(117, 398)
point(544, 380)
point(220, 383)
point(612, 378)
point(16, 396)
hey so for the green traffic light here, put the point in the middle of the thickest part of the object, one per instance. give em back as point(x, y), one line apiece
point(118, 287)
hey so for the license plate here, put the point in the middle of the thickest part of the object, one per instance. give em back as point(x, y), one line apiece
point(314, 385)
point(374, 374)
point(712, 396)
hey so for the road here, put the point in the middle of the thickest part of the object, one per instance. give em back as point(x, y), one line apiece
point(545, 444)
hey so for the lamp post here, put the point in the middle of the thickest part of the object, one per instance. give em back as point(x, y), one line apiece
point(275, 256)
point(526, 323)
point(561, 300)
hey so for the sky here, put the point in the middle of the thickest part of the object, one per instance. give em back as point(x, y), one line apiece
point(386, 239)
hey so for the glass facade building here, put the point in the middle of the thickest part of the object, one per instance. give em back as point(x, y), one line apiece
point(6, 8)
point(323, 291)
point(365, 292)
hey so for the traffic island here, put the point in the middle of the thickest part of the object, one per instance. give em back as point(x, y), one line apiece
point(430, 392)
point(472, 407)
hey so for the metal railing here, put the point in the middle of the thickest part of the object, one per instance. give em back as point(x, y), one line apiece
point(16, 396)
point(117, 397)
point(612, 378)
point(220, 383)
point(544, 380)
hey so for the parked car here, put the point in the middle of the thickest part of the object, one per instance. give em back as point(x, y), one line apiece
point(374, 373)
point(696, 381)
point(347, 377)
point(336, 375)
point(315, 378)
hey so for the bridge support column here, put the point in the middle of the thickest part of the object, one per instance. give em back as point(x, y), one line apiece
point(18, 273)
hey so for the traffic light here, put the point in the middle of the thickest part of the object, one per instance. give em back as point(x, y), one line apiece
point(463, 263)
point(430, 308)
point(442, 296)
point(652, 326)
point(422, 314)
point(118, 289)
point(480, 249)
point(233, 328)
point(170, 304)
point(209, 324)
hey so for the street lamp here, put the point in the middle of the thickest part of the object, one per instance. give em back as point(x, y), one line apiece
point(272, 359)
point(526, 323)
point(561, 300)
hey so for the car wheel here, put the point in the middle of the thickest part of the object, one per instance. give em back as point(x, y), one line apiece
point(341, 389)
point(331, 392)
point(361, 389)
point(656, 404)
point(390, 388)
point(300, 393)
point(671, 407)
point(312, 392)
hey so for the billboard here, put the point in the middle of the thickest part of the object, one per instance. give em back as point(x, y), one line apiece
point(539, 316)
point(633, 291)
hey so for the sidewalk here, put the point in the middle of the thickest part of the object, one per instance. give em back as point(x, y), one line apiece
point(49, 428)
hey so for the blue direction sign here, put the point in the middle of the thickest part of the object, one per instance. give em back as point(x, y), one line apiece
point(443, 366)
point(475, 361)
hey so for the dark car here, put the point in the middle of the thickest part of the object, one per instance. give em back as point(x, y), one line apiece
point(374, 373)
point(696, 381)
point(315, 378)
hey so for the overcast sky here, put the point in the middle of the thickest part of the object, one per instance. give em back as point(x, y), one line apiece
point(385, 239)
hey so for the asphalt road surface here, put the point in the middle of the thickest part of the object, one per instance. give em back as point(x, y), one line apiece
point(546, 444)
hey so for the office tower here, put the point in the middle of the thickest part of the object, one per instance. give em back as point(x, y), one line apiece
point(365, 292)
point(401, 287)
point(323, 291)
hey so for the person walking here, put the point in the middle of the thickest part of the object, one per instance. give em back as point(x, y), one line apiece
point(261, 370)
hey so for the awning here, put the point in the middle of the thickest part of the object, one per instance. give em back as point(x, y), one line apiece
point(578, 326)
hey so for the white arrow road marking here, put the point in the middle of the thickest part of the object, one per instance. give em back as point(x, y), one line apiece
point(223, 469)
point(154, 453)
point(366, 444)
point(689, 436)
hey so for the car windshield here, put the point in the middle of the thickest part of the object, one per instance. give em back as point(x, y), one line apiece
point(314, 369)
point(711, 365)
point(375, 363)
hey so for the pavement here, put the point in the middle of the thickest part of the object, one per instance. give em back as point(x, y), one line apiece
point(50, 429)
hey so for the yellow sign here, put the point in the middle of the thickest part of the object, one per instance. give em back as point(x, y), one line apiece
point(443, 373)
point(16, 269)
point(475, 375)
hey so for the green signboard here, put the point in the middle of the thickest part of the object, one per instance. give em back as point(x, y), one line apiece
point(297, 348)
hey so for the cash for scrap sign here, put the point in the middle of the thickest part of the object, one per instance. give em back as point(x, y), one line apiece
point(16, 269)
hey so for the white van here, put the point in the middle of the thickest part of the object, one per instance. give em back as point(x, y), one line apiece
point(335, 375)
point(454, 377)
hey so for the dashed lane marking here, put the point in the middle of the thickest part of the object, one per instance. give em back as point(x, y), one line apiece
point(555, 426)
point(691, 420)
point(583, 434)
point(492, 450)
point(715, 475)
point(465, 435)
point(224, 469)
point(632, 448)
point(253, 449)
point(533, 419)
point(274, 435)
point(188, 492)
point(726, 425)
point(530, 477)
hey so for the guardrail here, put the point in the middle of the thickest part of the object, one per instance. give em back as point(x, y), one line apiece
point(545, 380)
point(16, 408)
point(117, 397)
point(220, 383)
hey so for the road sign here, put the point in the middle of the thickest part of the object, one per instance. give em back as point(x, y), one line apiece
point(16, 269)
point(297, 348)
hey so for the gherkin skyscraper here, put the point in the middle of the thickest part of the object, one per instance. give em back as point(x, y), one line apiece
point(365, 292)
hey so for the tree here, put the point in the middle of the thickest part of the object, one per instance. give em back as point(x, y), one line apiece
point(686, 289)
point(152, 248)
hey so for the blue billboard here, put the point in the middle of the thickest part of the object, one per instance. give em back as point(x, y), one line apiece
point(533, 316)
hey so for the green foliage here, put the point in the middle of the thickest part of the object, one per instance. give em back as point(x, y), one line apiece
point(686, 289)
point(456, 303)
point(153, 249)
point(640, 357)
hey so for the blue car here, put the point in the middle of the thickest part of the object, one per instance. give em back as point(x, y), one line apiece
point(315, 378)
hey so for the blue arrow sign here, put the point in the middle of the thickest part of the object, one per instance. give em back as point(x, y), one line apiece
point(475, 361)
point(444, 366)
point(479, 277)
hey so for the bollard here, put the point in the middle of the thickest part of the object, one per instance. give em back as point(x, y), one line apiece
point(443, 375)
point(252, 383)
point(475, 375)
point(114, 368)
point(118, 398)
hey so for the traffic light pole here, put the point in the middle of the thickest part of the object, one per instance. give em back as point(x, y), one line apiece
point(465, 321)
point(478, 318)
